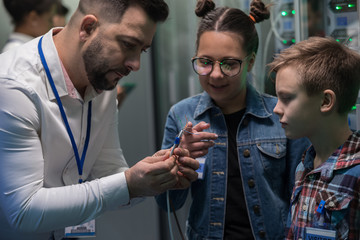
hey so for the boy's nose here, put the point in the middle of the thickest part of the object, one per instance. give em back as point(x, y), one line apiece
point(277, 109)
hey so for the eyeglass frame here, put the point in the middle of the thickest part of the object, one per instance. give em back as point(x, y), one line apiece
point(219, 62)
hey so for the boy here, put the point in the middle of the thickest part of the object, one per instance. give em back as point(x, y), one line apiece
point(317, 83)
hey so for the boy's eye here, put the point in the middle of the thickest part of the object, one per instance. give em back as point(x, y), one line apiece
point(285, 98)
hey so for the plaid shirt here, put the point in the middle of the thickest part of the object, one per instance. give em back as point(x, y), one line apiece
point(337, 182)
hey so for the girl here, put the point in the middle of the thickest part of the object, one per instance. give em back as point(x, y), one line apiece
point(248, 173)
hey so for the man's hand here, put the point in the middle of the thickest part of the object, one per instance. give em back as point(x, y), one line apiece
point(187, 170)
point(197, 141)
point(152, 175)
point(160, 172)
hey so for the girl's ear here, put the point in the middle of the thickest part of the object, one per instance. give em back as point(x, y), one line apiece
point(252, 58)
point(329, 101)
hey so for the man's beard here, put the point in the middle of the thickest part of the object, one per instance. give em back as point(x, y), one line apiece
point(96, 67)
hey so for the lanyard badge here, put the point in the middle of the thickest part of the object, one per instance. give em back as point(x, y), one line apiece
point(79, 162)
point(319, 230)
point(87, 229)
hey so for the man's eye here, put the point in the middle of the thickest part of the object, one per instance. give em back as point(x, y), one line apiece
point(128, 45)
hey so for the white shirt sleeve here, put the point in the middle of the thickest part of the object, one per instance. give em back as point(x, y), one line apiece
point(27, 204)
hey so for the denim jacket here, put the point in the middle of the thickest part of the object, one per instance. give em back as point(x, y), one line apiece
point(267, 161)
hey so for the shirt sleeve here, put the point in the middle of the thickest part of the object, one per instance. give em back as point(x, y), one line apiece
point(111, 158)
point(26, 203)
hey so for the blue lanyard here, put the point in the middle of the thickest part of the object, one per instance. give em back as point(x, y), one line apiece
point(79, 162)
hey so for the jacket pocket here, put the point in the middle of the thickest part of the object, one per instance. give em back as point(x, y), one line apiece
point(272, 156)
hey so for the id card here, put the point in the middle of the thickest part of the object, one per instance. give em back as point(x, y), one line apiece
point(81, 231)
point(319, 234)
point(200, 170)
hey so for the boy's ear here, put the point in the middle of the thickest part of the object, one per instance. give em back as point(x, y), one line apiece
point(329, 101)
point(89, 24)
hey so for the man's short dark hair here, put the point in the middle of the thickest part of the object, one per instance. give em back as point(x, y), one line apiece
point(113, 10)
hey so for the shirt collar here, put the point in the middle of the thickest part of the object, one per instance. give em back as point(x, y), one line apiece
point(345, 156)
point(350, 152)
point(69, 85)
point(61, 79)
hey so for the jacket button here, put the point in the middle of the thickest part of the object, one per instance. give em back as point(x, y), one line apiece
point(246, 153)
point(256, 209)
point(262, 234)
point(251, 183)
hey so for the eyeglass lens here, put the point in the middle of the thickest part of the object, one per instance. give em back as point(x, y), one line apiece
point(229, 67)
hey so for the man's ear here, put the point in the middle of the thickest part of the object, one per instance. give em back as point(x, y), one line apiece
point(329, 101)
point(89, 24)
point(252, 58)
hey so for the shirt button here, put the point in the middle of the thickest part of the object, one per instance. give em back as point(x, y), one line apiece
point(262, 234)
point(246, 153)
point(251, 183)
point(304, 207)
point(256, 209)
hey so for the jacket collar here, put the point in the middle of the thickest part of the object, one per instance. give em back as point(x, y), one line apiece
point(254, 104)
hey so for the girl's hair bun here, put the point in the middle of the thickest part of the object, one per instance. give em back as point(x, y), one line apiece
point(203, 7)
point(259, 11)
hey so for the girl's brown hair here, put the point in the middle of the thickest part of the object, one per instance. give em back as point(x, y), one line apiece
point(225, 19)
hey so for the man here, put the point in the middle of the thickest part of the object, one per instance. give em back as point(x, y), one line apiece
point(58, 123)
point(317, 83)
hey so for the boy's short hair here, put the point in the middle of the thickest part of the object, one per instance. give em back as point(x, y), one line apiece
point(323, 63)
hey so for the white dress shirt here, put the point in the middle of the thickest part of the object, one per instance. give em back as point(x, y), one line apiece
point(39, 190)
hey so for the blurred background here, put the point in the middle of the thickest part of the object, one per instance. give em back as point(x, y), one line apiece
point(166, 76)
